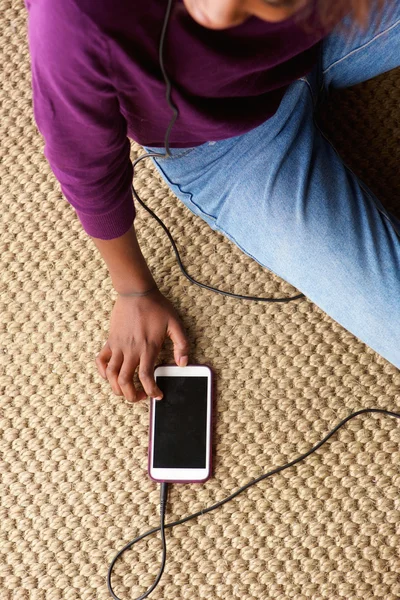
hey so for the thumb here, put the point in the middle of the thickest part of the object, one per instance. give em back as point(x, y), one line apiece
point(180, 341)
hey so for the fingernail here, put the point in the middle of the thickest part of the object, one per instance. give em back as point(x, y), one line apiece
point(183, 361)
point(158, 398)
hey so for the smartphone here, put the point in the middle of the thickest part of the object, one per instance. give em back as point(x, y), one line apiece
point(180, 425)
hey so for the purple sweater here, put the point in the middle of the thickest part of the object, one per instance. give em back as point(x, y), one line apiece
point(96, 80)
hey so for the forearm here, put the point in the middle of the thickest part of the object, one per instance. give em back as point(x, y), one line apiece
point(126, 264)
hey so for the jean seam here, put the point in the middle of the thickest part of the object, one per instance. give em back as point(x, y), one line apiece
point(180, 154)
point(355, 50)
point(232, 239)
point(310, 89)
point(184, 193)
point(362, 185)
point(360, 182)
point(372, 197)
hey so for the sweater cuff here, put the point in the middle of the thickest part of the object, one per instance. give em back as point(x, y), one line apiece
point(112, 224)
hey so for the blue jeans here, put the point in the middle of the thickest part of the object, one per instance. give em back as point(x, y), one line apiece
point(283, 195)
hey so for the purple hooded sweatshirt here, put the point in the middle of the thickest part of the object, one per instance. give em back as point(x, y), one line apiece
point(97, 82)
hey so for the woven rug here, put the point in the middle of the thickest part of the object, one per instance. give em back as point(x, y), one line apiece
point(74, 484)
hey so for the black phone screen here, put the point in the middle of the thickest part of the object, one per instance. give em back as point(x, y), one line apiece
point(180, 423)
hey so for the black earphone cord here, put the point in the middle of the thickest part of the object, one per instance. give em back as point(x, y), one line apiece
point(164, 491)
point(164, 486)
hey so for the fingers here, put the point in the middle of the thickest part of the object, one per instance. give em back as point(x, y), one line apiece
point(112, 371)
point(119, 369)
point(125, 378)
point(146, 373)
point(102, 359)
point(146, 376)
point(109, 364)
point(180, 341)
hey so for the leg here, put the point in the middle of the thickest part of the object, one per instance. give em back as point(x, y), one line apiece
point(282, 194)
point(350, 58)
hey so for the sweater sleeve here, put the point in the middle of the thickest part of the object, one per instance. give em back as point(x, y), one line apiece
point(76, 109)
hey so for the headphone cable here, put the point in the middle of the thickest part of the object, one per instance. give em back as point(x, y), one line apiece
point(164, 486)
point(203, 511)
point(167, 153)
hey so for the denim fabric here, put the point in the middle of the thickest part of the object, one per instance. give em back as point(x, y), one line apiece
point(283, 195)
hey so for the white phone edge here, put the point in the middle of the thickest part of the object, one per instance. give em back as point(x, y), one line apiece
point(183, 475)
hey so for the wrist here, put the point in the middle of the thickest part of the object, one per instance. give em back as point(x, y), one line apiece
point(138, 292)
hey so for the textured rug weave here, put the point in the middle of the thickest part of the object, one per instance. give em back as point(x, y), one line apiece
point(73, 456)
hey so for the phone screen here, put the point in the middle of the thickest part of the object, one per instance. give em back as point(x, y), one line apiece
point(180, 423)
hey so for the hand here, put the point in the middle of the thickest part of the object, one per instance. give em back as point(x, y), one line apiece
point(138, 327)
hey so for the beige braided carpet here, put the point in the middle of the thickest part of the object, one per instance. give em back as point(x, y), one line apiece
point(74, 484)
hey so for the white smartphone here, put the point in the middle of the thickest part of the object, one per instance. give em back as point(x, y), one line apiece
point(180, 425)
